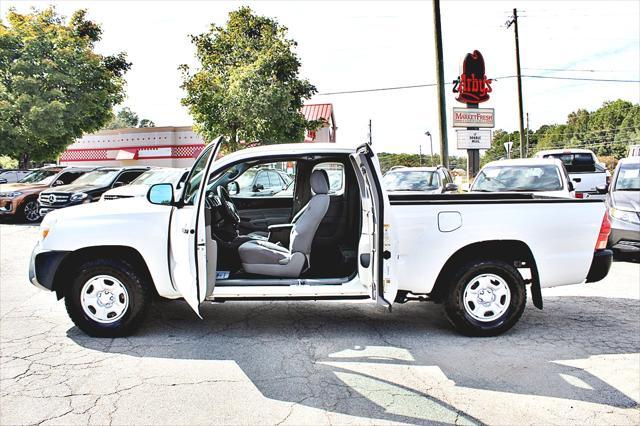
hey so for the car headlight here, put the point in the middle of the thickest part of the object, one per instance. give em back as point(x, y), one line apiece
point(10, 194)
point(624, 215)
point(78, 196)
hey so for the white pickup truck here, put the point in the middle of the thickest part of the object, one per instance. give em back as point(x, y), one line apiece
point(337, 238)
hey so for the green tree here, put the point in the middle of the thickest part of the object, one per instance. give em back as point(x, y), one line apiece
point(53, 85)
point(127, 118)
point(247, 86)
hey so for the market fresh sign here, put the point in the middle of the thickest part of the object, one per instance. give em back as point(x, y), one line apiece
point(473, 117)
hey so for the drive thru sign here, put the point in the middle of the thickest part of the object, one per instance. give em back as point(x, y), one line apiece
point(474, 139)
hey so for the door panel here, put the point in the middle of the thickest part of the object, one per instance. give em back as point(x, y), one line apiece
point(258, 213)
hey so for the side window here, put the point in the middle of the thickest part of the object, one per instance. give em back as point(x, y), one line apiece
point(335, 171)
point(126, 177)
point(69, 177)
point(265, 180)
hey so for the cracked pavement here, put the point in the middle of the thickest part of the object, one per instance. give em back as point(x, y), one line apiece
point(576, 362)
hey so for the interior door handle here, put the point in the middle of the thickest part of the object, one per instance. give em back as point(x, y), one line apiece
point(188, 231)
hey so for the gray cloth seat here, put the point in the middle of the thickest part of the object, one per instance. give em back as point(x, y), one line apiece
point(266, 258)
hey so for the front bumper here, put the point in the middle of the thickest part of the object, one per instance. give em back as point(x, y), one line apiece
point(600, 265)
point(625, 236)
point(43, 266)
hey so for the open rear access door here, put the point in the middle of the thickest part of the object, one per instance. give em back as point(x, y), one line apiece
point(377, 250)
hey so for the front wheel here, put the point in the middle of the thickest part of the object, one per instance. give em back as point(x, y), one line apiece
point(29, 211)
point(107, 298)
point(486, 298)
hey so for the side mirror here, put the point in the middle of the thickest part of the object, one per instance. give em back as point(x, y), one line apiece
point(571, 187)
point(161, 193)
point(451, 187)
point(58, 183)
point(233, 188)
point(258, 187)
point(577, 180)
point(602, 189)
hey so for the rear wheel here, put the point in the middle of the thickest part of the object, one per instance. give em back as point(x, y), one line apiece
point(29, 211)
point(107, 298)
point(486, 298)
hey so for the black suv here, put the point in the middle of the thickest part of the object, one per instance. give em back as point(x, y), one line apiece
point(87, 188)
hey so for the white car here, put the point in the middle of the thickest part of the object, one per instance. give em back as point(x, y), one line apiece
point(474, 253)
point(140, 185)
point(585, 171)
point(543, 176)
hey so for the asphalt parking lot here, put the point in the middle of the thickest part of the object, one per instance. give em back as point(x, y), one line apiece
point(578, 361)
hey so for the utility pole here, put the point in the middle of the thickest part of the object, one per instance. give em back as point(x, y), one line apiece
point(527, 151)
point(442, 113)
point(514, 21)
point(420, 155)
point(370, 135)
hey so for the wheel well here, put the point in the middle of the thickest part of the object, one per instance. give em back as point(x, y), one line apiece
point(511, 251)
point(74, 259)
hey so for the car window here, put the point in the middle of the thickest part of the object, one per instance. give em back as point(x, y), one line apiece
point(153, 176)
point(68, 177)
point(411, 180)
point(127, 177)
point(265, 180)
point(518, 178)
point(335, 172)
point(100, 177)
point(42, 177)
point(576, 162)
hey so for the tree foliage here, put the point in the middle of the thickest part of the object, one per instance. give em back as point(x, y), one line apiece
point(608, 131)
point(53, 85)
point(127, 118)
point(247, 86)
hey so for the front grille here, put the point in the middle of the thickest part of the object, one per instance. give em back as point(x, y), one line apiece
point(116, 197)
point(53, 199)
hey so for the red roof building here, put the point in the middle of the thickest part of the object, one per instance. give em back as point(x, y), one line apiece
point(324, 113)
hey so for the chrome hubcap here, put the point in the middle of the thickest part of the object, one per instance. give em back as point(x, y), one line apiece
point(31, 211)
point(486, 297)
point(104, 299)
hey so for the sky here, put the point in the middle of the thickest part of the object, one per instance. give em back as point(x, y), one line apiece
point(363, 44)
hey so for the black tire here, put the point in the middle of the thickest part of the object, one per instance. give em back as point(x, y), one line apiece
point(139, 298)
point(454, 300)
point(25, 213)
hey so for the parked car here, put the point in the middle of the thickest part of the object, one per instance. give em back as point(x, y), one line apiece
point(584, 170)
point(466, 251)
point(20, 199)
point(623, 202)
point(543, 176)
point(140, 185)
point(87, 188)
point(261, 183)
point(12, 176)
point(419, 180)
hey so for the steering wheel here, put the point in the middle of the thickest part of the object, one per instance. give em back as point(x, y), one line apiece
point(228, 209)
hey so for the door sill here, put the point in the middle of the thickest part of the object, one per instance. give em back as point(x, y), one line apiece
point(287, 298)
point(281, 282)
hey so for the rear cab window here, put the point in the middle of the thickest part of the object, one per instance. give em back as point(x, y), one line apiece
point(335, 172)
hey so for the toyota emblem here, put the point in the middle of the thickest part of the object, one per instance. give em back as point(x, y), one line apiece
point(52, 199)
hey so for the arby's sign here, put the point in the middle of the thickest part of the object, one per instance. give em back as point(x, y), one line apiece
point(472, 86)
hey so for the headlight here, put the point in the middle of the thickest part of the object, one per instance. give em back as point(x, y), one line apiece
point(624, 215)
point(10, 194)
point(78, 196)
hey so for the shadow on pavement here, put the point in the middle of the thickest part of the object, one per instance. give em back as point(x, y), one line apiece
point(283, 348)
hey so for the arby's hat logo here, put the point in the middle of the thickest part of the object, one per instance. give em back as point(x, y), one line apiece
point(473, 86)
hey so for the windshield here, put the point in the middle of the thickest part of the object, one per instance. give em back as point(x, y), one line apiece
point(42, 177)
point(628, 178)
point(518, 178)
point(415, 180)
point(100, 177)
point(151, 177)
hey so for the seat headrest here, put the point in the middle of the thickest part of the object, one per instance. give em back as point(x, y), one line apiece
point(320, 182)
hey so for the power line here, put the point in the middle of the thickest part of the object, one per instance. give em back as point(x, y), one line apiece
point(417, 86)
